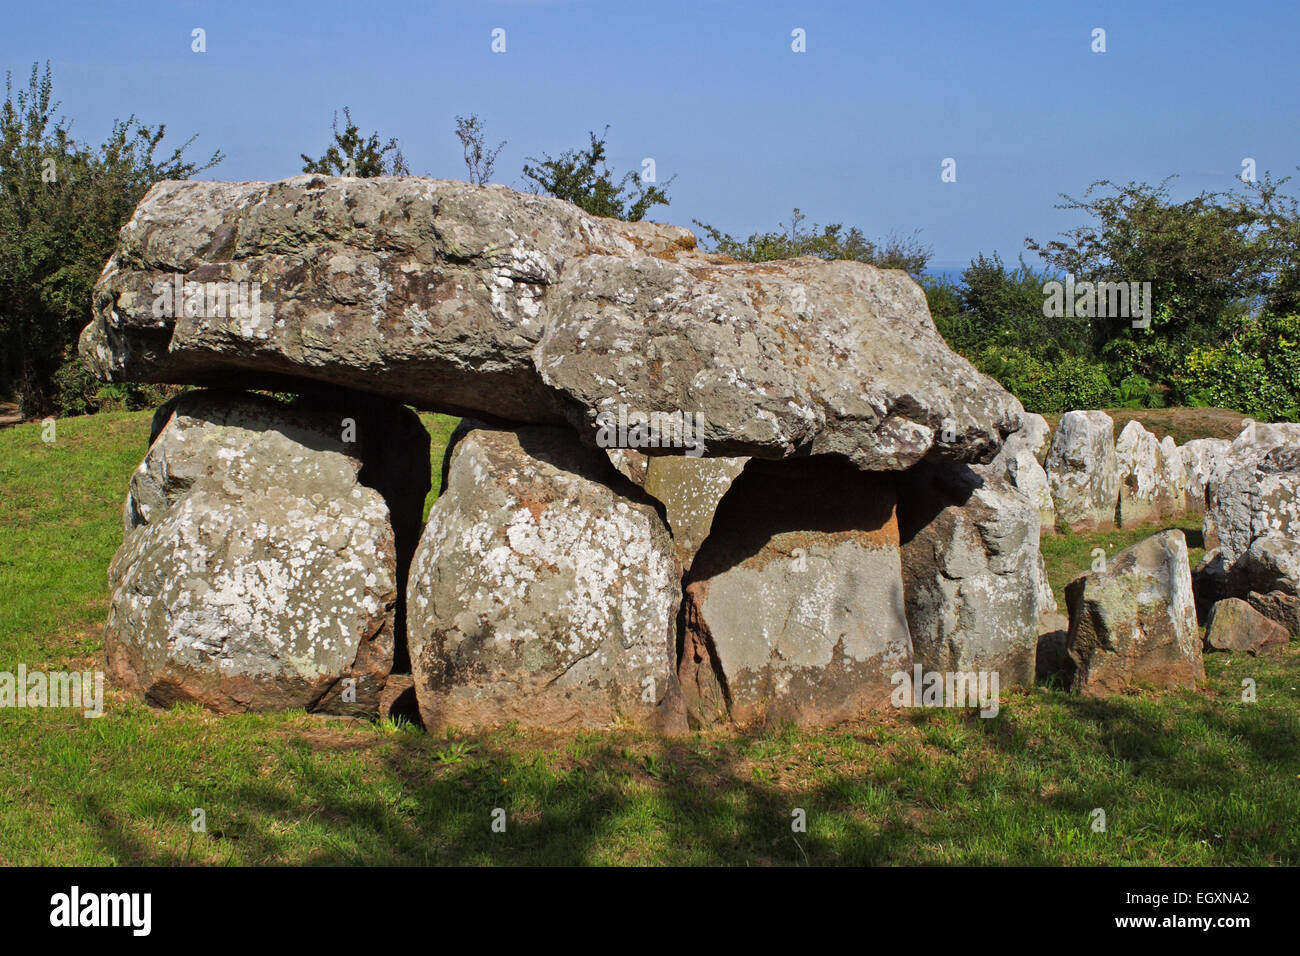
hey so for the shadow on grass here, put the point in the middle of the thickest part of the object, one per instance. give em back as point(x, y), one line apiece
point(931, 787)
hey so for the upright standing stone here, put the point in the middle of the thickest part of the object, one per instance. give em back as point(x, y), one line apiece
point(1035, 434)
point(1082, 471)
point(1135, 621)
point(1141, 474)
point(1257, 496)
point(1020, 463)
point(258, 572)
point(970, 572)
point(1200, 457)
point(794, 605)
point(1173, 479)
point(544, 590)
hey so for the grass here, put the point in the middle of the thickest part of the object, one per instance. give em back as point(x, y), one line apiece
point(439, 428)
point(1184, 778)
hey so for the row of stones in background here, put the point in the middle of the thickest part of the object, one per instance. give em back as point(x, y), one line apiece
point(1246, 588)
point(1247, 491)
point(1095, 481)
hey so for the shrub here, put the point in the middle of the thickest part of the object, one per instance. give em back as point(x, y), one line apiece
point(1137, 391)
point(582, 177)
point(61, 205)
point(1048, 388)
point(1257, 373)
point(829, 242)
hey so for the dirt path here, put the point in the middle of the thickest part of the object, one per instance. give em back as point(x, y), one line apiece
point(9, 414)
point(1183, 423)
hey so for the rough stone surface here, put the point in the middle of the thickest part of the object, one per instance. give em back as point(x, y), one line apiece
point(794, 605)
point(1020, 463)
point(1200, 457)
point(1082, 471)
point(482, 300)
point(631, 464)
point(971, 572)
point(1231, 475)
point(545, 590)
point(1258, 438)
point(1034, 434)
point(1046, 596)
point(1258, 495)
point(1135, 622)
point(1152, 480)
point(1235, 625)
point(690, 490)
point(257, 571)
point(1271, 563)
point(1173, 479)
point(1278, 606)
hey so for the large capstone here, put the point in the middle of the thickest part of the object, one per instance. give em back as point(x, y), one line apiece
point(482, 300)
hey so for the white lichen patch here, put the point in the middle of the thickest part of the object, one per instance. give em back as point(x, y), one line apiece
point(542, 577)
point(249, 557)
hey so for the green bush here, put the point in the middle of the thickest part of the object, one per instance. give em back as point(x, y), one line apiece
point(62, 203)
point(825, 242)
point(1048, 388)
point(1257, 373)
point(75, 388)
point(1138, 391)
point(78, 392)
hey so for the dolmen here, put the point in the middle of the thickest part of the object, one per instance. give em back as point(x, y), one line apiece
point(686, 491)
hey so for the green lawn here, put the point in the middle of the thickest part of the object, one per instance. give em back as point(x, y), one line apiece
point(1184, 778)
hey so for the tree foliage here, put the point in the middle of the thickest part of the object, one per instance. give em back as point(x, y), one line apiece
point(62, 203)
point(582, 177)
point(480, 159)
point(1199, 255)
point(825, 242)
point(1224, 269)
point(352, 154)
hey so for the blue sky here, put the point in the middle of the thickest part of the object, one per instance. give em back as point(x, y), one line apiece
point(853, 130)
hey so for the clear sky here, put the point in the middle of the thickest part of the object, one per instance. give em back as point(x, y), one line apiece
point(854, 129)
